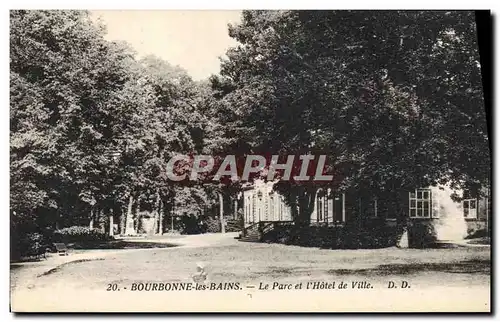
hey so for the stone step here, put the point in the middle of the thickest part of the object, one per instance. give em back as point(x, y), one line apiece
point(249, 240)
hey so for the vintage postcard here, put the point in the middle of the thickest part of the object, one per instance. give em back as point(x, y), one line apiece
point(250, 161)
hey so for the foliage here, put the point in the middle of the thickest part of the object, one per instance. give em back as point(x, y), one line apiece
point(78, 234)
point(190, 225)
point(92, 126)
point(354, 235)
point(386, 95)
point(212, 225)
point(28, 245)
point(234, 225)
point(393, 98)
point(478, 234)
point(421, 234)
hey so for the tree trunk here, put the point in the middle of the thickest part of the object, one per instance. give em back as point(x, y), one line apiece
point(123, 220)
point(166, 212)
point(221, 213)
point(172, 211)
point(138, 214)
point(91, 224)
point(111, 224)
point(235, 210)
point(129, 219)
point(102, 223)
point(156, 211)
point(160, 218)
point(306, 206)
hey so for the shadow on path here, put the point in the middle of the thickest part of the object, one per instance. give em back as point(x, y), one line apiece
point(463, 267)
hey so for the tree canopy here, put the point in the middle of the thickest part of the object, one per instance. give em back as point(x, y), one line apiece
point(393, 98)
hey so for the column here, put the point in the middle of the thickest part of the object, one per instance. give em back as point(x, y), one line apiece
point(235, 210)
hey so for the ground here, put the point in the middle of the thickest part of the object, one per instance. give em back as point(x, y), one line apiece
point(252, 264)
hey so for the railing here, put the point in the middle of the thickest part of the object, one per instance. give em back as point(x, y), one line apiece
point(251, 227)
point(264, 227)
point(269, 226)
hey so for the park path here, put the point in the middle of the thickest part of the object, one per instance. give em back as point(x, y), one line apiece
point(202, 240)
point(24, 274)
point(434, 288)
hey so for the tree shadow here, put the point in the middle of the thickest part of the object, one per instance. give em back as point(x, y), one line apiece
point(474, 266)
point(121, 244)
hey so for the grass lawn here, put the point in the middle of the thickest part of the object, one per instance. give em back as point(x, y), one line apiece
point(251, 263)
point(451, 279)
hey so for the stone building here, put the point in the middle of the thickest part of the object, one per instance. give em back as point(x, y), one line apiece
point(262, 204)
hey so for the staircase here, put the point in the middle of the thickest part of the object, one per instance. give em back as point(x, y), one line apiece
point(233, 225)
point(251, 234)
point(255, 232)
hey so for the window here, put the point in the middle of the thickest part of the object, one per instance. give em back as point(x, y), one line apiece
point(470, 208)
point(325, 208)
point(271, 207)
point(247, 210)
point(320, 210)
point(253, 208)
point(371, 208)
point(321, 205)
point(420, 204)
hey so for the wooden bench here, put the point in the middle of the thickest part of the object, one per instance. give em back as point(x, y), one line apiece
point(61, 249)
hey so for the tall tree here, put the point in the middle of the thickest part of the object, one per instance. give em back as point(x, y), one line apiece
point(64, 82)
point(371, 90)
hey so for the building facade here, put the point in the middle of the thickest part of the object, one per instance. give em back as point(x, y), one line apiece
point(261, 204)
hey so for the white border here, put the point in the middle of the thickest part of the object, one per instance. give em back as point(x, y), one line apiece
point(248, 4)
point(187, 4)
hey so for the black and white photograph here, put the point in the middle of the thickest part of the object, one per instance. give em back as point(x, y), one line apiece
point(250, 161)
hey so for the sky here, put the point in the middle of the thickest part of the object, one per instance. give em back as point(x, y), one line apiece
point(191, 39)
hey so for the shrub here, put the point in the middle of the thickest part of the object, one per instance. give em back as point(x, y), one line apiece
point(79, 234)
point(32, 244)
point(421, 234)
point(35, 244)
point(233, 225)
point(478, 234)
point(354, 235)
point(190, 225)
point(212, 225)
